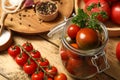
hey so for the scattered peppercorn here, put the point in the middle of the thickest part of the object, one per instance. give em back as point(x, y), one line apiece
point(46, 8)
point(11, 19)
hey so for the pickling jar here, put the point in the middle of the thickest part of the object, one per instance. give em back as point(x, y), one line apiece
point(83, 64)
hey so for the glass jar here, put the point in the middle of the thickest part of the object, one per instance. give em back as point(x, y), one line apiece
point(83, 64)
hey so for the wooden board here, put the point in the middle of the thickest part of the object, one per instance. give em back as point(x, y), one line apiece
point(113, 29)
point(26, 21)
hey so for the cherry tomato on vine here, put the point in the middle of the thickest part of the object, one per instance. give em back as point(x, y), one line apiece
point(21, 58)
point(87, 38)
point(104, 7)
point(13, 51)
point(28, 46)
point(115, 12)
point(35, 54)
point(60, 76)
point(72, 30)
point(52, 70)
point(37, 76)
point(43, 62)
point(30, 67)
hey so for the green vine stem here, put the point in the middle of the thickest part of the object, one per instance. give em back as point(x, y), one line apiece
point(28, 53)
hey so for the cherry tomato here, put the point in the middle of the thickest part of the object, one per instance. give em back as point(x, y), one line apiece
point(75, 45)
point(13, 51)
point(64, 55)
point(104, 7)
point(115, 12)
point(87, 38)
point(72, 54)
point(111, 1)
point(52, 70)
point(60, 76)
point(21, 59)
point(38, 76)
point(30, 67)
point(72, 30)
point(35, 54)
point(74, 65)
point(118, 51)
point(28, 46)
point(49, 79)
point(85, 1)
point(43, 62)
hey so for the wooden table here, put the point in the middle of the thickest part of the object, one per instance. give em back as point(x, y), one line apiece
point(49, 48)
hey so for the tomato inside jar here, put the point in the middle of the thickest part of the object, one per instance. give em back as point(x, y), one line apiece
point(83, 63)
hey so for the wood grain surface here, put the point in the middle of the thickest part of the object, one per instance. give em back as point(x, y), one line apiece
point(49, 48)
point(26, 21)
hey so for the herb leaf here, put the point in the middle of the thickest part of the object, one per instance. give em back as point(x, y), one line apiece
point(81, 18)
point(84, 20)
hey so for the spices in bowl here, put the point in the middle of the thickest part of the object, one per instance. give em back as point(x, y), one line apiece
point(47, 10)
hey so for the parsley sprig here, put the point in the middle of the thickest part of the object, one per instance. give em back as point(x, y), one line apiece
point(82, 19)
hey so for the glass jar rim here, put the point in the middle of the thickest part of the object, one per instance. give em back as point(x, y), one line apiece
point(81, 52)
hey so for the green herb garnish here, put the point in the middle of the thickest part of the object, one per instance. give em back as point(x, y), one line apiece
point(82, 19)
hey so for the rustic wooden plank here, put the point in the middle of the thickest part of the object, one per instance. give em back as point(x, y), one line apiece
point(111, 55)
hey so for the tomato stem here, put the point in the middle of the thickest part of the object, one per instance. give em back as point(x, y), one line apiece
point(28, 53)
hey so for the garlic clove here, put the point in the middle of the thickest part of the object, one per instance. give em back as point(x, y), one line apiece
point(28, 3)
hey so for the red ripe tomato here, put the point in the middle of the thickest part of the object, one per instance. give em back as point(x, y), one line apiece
point(35, 54)
point(85, 1)
point(28, 46)
point(13, 51)
point(37, 76)
point(115, 12)
point(118, 51)
point(111, 1)
point(49, 79)
point(60, 76)
point(72, 30)
point(30, 67)
point(104, 7)
point(43, 62)
point(87, 38)
point(74, 65)
point(72, 54)
point(21, 59)
point(52, 70)
point(64, 55)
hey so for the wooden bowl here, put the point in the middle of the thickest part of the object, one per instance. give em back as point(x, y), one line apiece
point(41, 14)
point(5, 39)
